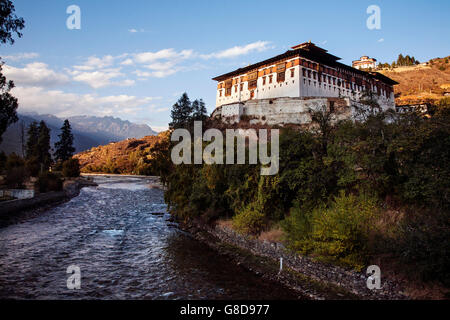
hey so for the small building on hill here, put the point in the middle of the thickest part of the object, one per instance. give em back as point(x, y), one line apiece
point(283, 88)
point(365, 63)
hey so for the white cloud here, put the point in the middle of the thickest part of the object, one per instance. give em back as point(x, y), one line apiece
point(164, 54)
point(35, 74)
point(22, 56)
point(133, 30)
point(96, 63)
point(239, 50)
point(381, 40)
point(127, 62)
point(101, 78)
point(63, 104)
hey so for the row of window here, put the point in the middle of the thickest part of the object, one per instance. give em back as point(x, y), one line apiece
point(252, 84)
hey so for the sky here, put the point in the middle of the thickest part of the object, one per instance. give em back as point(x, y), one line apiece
point(133, 59)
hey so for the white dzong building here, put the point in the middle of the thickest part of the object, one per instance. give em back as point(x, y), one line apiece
point(288, 83)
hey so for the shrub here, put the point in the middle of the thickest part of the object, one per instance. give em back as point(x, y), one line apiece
point(3, 159)
point(71, 168)
point(16, 176)
point(423, 245)
point(48, 181)
point(297, 227)
point(341, 232)
point(250, 220)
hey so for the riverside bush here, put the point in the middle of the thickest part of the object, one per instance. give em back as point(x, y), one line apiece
point(71, 168)
point(334, 185)
point(341, 232)
point(250, 220)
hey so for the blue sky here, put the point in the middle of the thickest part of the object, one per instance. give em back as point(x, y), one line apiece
point(133, 59)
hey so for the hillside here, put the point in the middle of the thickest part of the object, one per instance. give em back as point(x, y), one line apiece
point(129, 156)
point(421, 83)
point(88, 131)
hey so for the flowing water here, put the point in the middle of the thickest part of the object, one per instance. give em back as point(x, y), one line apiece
point(119, 235)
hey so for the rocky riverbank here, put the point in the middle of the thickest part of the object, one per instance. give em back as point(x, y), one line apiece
point(16, 210)
point(309, 278)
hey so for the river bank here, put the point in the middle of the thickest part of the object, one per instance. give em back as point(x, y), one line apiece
point(16, 210)
point(310, 278)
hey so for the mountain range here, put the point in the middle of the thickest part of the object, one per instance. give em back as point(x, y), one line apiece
point(88, 131)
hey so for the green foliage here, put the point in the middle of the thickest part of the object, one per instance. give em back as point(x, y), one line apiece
point(9, 22)
point(423, 245)
point(64, 147)
point(3, 159)
point(48, 181)
point(8, 103)
point(341, 232)
point(250, 220)
point(185, 112)
point(324, 180)
point(71, 168)
point(16, 173)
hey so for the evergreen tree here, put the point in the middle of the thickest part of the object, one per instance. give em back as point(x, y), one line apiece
point(181, 113)
point(64, 147)
point(43, 147)
point(31, 145)
point(199, 112)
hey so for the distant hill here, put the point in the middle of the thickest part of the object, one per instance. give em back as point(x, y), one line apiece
point(130, 156)
point(88, 131)
point(421, 83)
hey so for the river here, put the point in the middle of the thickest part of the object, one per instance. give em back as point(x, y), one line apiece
point(119, 235)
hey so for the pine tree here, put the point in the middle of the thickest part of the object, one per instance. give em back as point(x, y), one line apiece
point(199, 112)
point(181, 113)
point(31, 145)
point(43, 147)
point(64, 147)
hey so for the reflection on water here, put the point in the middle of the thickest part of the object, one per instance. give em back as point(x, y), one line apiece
point(119, 236)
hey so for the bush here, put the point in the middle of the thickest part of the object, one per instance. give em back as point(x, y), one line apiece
point(423, 245)
point(71, 168)
point(16, 176)
point(298, 227)
point(250, 220)
point(341, 232)
point(48, 181)
point(3, 159)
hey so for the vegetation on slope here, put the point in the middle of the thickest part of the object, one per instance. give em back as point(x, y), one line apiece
point(421, 83)
point(348, 194)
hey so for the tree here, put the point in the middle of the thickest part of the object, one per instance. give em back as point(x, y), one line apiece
point(8, 104)
point(9, 24)
point(199, 112)
point(32, 139)
point(43, 147)
point(64, 147)
point(181, 113)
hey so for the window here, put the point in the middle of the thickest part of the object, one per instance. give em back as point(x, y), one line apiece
point(252, 84)
point(264, 81)
point(281, 76)
point(314, 75)
point(242, 86)
point(235, 88)
point(309, 73)
point(270, 78)
point(292, 73)
point(220, 93)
